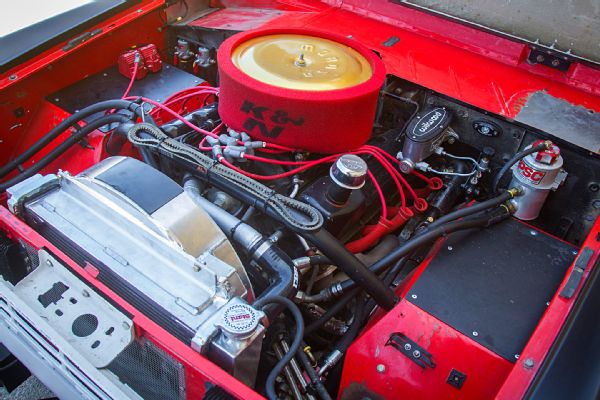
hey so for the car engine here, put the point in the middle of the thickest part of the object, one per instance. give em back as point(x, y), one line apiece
point(271, 206)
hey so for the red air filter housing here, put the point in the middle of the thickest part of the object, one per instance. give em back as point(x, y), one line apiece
point(292, 104)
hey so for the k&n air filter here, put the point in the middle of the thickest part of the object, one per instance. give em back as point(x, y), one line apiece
point(308, 90)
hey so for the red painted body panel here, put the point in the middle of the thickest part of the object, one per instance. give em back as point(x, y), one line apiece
point(544, 335)
point(488, 375)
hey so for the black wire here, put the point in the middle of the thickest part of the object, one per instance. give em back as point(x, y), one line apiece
point(60, 128)
point(429, 235)
point(507, 165)
point(475, 208)
point(293, 308)
point(61, 148)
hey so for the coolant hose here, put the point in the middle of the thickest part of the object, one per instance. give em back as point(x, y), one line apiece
point(265, 253)
point(287, 357)
point(64, 125)
point(61, 148)
point(507, 165)
point(429, 235)
point(297, 216)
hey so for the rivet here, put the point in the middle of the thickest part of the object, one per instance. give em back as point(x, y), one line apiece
point(414, 296)
point(380, 368)
point(13, 77)
point(475, 333)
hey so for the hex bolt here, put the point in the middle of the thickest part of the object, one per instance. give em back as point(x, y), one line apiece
point(528, 363)
point(380, 368)
point(407, 347)
point(416, 354)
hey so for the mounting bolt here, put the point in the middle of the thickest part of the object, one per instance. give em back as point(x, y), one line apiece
point(450, 248)
point(407, 347)
point(13, 77)
point(380, 368)
point(416, 354)
point(533, 233)
point(475, 333)
point(528, 363)
point(555, 63)
point(414, 296)
point(540, 58)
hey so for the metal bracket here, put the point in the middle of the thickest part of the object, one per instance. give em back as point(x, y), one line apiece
point(411, 349)
point(549, 58)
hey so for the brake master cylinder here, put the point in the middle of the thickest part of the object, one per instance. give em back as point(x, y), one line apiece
point(536, 175)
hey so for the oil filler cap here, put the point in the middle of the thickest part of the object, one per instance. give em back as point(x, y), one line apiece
point(349, 171)
point(239, 320)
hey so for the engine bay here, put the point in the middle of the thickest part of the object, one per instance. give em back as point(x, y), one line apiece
point(195, 208)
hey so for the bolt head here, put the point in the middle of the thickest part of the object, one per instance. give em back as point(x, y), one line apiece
point(528, 363)
point(380, 368)
point(416, 354)
point(414, 296)
point(407, 347)
point(475, 333)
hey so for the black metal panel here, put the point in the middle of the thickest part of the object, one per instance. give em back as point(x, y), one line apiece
point(110, 84)
point(493, 284)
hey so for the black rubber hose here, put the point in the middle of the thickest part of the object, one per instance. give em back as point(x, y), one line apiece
point(61, 148)
point(473, 209)
point(312, 374)
point(64, 125)
point(279, 266)
point(319, 259)
point(325, 242)
point(287, 357)
point(507, 165)
point(332, 311)
point(351, 266)
point(428, 236)
point(354, 328)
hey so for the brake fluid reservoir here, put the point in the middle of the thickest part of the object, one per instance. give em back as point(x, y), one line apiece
point(536, 175)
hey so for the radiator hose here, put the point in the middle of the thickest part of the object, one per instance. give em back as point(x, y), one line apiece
point(265, 253)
